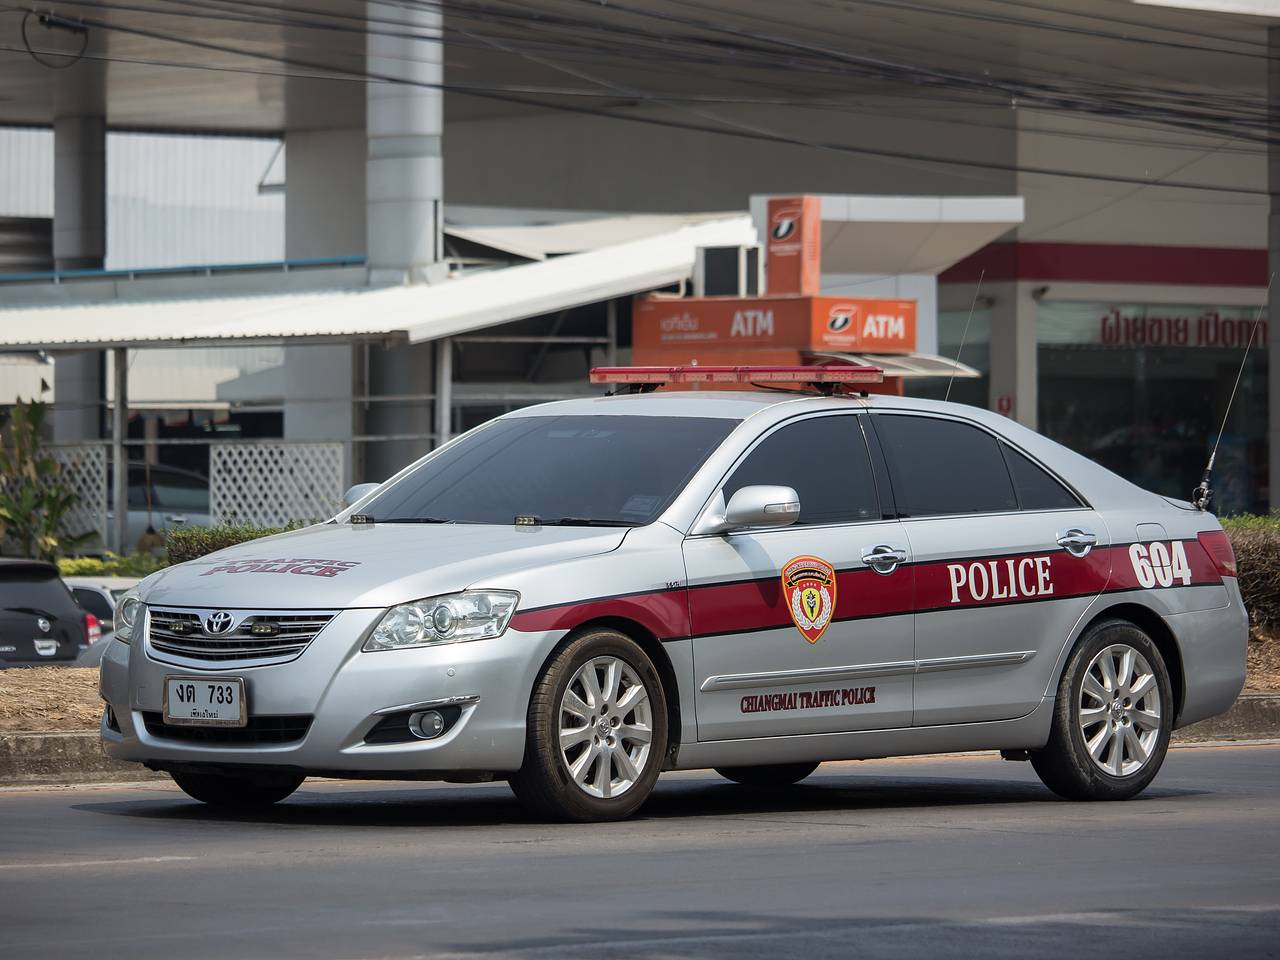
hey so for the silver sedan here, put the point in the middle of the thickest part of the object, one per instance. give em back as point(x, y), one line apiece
point(577, 596)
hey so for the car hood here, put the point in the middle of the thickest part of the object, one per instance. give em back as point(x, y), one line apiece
point(343, 565)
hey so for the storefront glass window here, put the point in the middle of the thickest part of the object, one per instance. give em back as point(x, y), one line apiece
point(1142, 389)
point(976, 354)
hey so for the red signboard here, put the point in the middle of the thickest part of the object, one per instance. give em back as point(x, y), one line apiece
point(793, 248)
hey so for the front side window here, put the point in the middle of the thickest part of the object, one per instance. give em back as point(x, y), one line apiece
point(825, 460)
point(944, 467)
point(572, 470)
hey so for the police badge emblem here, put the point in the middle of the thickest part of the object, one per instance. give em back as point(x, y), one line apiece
point(809, 588)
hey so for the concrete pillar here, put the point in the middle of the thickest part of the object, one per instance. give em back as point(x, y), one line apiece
point(444, 391)
point(79, 192)
point(78, 396)
point(1273, 244)
point(318, 392)
point(324, 193)
point(119, 454)
point(404, 124)
point(1014, 312)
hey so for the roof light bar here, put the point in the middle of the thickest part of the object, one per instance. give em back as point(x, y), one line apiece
point(831, 373)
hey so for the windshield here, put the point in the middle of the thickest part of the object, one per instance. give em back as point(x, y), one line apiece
point(606, 470)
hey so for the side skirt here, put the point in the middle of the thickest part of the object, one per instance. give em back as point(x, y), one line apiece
point(1025, 733)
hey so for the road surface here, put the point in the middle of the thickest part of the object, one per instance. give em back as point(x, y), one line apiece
point(946, 857)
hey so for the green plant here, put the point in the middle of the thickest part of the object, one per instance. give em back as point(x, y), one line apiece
point(188, 543)
point(1256, 542)
point(111, 565)
point(34, 501)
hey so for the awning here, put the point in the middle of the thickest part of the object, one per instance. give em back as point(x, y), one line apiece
point(886, 236)
point(538, 241)
point(414, 312)
point(906, 365)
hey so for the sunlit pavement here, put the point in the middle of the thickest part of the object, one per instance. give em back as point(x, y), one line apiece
point(944, 857)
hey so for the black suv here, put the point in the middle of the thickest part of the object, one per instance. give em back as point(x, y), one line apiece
point(40, 622)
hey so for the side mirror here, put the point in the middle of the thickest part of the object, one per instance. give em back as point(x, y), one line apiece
point(761, 508)
point(357, 493)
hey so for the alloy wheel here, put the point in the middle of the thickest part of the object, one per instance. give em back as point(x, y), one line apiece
point(606, 727)
point(1119, 711)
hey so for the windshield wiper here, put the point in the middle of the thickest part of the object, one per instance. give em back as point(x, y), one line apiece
point(414, 520)
point(588, 522)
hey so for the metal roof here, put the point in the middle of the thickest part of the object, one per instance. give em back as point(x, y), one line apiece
point(415, 312)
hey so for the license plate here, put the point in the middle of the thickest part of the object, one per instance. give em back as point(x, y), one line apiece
point(204, 701)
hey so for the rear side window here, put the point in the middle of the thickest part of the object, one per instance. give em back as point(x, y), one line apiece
point(944, 467)
point(94, 602)
point(1037, 490)
point(825, 460)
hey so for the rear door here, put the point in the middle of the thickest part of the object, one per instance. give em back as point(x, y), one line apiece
point(794, 632)
point(1008, 559)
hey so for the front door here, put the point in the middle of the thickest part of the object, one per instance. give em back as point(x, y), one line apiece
point(1007, 561)
point(808, 628)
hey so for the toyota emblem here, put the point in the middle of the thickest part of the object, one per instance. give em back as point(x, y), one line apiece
point(216, 624)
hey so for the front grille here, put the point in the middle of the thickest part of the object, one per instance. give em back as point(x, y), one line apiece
point(181, 633)
point(259, 730)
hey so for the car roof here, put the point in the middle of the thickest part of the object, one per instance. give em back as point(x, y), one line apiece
point(103, 583)
point(730, 405)
point(738, 405)
point(23, 565)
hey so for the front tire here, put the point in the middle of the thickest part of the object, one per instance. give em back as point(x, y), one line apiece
point(771, 775)
point(1112, 718)
point(597, 731)
point(241, 792)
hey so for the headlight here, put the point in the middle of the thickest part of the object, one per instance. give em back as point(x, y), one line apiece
point(456, 618)
point(128, 616)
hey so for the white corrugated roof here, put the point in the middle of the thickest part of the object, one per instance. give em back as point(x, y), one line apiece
point(537, 241)
point(418, 312)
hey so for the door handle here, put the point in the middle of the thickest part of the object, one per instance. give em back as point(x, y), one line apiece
point(884, 559)
point(1076, 541)
point(175, 518)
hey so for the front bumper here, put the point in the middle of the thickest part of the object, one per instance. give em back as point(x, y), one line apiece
point(342, 690)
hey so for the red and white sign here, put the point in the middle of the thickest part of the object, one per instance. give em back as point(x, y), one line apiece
point(1141, 325)
point(793, 248)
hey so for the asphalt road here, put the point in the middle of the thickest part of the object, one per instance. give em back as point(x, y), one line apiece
point(955, 857)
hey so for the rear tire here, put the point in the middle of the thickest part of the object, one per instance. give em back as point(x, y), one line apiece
point(1112, 718)
point(234, 791)
point(772, 775)
point(596, 731)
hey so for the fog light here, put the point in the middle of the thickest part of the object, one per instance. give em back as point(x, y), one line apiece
point(426, 725)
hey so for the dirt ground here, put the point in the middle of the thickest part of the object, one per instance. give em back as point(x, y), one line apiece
point(49, 699)
point(1264, 660)
point(56, 699)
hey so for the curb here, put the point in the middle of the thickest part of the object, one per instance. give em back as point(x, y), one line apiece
point(32, 759)
point(36, 759)
point(1254, 716)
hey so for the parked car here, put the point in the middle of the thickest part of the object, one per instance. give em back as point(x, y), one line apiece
point(99, 595)
point(40, 621)
point(579, 595)
point(172, 498)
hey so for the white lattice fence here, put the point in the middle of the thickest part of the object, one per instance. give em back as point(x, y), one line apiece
point(83, 468)
point(273, 484)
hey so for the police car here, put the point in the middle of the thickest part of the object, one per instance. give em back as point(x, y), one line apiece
point(577, 596)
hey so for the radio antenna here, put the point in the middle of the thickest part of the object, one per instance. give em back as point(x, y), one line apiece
point(965, 335)
point(1203, 494)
